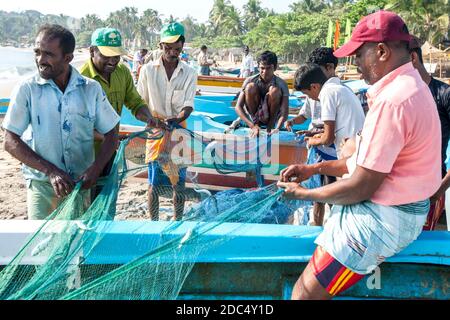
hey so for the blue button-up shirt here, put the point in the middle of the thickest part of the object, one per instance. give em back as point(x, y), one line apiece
point(59, 126)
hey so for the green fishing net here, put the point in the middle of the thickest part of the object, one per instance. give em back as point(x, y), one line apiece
point(70, 256)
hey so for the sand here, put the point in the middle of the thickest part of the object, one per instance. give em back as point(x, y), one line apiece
point(12, 185)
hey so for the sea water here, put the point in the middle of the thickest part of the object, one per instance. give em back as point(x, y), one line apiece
point(16, 63)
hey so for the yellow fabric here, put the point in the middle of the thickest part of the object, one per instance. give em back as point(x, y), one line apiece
point(160, 150)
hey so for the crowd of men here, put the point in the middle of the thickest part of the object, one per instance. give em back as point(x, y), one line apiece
point(385, 171)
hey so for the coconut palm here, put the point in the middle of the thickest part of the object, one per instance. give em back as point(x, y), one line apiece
point(232, 25)
point(308, 6)
point(427, 19)
point(253, 12)
point(148, 26)
point(90, 22)
point(225, 19)
point(218, 15)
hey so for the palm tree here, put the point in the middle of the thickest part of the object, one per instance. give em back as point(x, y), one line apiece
point(190, 28)
point(308, 6)
point(225, 19)
point(232, 25)
point(427, 19)
point(253, 12)
point(218, 15)
point(148, 27)
point(90, 22)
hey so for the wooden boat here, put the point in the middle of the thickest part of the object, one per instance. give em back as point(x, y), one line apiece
point(225, 84)
point(3, 106)
point(258, 261)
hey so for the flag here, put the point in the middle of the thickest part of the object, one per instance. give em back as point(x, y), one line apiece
point(337, 34)
point(330, 34)
point(348, 30)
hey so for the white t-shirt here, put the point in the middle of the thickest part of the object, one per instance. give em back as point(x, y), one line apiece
point(138, 60)
point(311, 110)
point(247, 63)
point(340, 104)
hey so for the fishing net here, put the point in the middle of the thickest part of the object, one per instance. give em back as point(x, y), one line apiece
point(72, 256)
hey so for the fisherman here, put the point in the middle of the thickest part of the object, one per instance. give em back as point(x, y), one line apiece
point(50, 125)
point(264, 99)
point(441, 95)
point(204, 62)
point(168, 87)
point(379, 204)
point(105, 67)
point(138, 62)
point(341, 111)
point(247, 66)
point(311, 109)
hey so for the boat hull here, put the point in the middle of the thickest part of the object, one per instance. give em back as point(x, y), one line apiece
point(254, 261)
point(224, 84)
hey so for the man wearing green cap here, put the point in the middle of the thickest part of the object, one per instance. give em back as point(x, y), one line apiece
point(104, 66)
point(168, 86)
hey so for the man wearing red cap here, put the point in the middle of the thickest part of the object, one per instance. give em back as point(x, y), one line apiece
point(381, 204)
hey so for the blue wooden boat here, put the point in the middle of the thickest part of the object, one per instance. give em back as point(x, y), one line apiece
point(3, 106)
point(259, 261)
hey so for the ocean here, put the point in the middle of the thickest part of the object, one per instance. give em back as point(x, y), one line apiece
point(16, 63)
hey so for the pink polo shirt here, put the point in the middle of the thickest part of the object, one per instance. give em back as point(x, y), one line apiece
point(402, 137)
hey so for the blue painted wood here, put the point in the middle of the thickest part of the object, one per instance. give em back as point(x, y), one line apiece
point(127, 240)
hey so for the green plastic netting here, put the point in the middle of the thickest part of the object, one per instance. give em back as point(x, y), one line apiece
point(54, 262)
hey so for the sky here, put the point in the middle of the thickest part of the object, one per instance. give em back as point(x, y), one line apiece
point(199, 9)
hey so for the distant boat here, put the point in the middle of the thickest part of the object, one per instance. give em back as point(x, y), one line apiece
point(226, 84)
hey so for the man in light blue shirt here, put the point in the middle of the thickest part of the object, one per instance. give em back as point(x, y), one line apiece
point(50, 125)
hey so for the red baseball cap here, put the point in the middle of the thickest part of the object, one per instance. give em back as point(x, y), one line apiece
point(381, 26)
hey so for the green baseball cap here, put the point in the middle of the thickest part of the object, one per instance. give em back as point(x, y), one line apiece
point(108, 41)
point(171, 32)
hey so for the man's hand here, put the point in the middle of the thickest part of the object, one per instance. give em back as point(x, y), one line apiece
point(292, 190)
point(296, 173)
point(274, 131)
point(348, 148)
point(255, 131)
point(90, 177)
point(288, 125)
point(156, 123)
point(61, 182)
point(316, 140)
point(171, 123)
point(437, 196)
point(98, 136)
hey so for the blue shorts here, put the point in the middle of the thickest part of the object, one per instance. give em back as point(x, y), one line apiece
point(157, 177)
